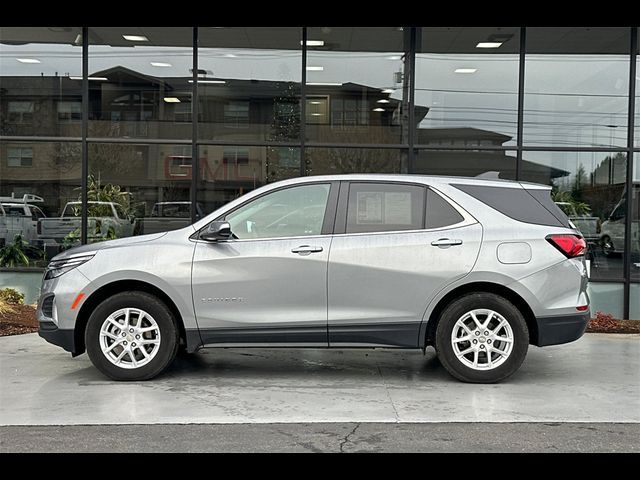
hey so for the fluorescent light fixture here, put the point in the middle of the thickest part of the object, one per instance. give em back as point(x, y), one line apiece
point(314, 43)
point(324, 84)
point(316, 103)
point(378, 109)
point(171, 100)
point(389, 91)
point(466, 70)
point(317, 115)
point(28, 60)
point(135, 38)
point(311, 68)
point(221, 82)
point(161, 64)
point(489, 45)
point(92, 79)
point(394, 57)
point(384, 100)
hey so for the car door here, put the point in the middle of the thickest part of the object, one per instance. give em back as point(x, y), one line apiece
point(396, 246)
point(269, 284)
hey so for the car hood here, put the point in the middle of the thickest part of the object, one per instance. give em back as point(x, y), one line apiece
point(95, 247)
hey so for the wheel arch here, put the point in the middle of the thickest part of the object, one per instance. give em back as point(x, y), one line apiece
point(428, 330)
point(114, 288)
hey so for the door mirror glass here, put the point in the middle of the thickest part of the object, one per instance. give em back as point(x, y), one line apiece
point(216, 232)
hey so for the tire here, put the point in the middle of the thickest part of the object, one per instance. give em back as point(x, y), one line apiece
point(492, 367)
point(157, 317)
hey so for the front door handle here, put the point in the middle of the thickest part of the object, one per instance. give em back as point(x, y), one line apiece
point(307, 250)
point(446, 243)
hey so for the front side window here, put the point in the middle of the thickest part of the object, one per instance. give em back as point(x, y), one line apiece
point(292, 212)
point(379, 207)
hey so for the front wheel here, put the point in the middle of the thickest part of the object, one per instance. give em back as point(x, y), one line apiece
point(482, 338)
point(132, 336)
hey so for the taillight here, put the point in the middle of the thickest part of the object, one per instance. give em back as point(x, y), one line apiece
point(571, 245)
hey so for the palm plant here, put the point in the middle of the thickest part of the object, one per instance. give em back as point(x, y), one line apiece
point(14, 254)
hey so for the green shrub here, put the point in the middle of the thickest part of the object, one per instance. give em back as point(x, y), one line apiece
point(11, 296)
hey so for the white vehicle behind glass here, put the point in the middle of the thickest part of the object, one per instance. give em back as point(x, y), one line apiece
point(18, 216)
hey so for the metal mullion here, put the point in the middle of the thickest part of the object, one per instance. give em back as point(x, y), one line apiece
point(633, 69)
point(195, 155)
point(521, 86)
point(85, 134)
point(303, 105)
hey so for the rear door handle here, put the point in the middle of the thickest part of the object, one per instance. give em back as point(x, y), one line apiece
point(446, 243)
point(307, 250)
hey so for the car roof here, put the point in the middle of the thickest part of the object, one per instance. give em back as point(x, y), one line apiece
point(411, 178)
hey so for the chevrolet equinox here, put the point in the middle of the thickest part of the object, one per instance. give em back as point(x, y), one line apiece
point(477, 268)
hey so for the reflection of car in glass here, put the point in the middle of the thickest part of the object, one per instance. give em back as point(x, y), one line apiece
point(19, 217)
point(589, 226)
point(167, 216)
point(107, 220)
point(477, 269)
point(613, 231)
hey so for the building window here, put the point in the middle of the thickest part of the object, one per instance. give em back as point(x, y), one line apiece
point(68, 111)
point(236, 115)
point(182, 112)
point(349, 112)
point(317, 110)
point(236, 156)
point(20, 157)
point(20, 112)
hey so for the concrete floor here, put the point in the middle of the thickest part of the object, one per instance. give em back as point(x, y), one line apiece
point(594, 380)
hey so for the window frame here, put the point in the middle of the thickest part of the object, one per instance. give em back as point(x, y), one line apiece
point(343, 204)
point(327, 224)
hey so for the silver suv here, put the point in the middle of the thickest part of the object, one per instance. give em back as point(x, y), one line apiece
point(478, 269)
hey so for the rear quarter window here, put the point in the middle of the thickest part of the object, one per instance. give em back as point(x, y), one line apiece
point(528, 206)
point(440, 213)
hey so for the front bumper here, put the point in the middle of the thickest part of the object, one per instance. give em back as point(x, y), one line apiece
point(562, 329)
point(60, 338)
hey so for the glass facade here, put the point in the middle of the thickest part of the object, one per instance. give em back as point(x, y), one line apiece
point(171, 123)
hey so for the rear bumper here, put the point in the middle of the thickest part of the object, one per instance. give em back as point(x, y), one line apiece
point(60, 338)
point(561, 330)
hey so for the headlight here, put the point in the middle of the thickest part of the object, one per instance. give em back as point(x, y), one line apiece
point(60, 267)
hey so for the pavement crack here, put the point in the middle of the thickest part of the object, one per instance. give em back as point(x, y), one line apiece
point(347, 439)
point(386, 389)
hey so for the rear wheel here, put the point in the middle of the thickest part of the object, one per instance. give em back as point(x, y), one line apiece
point(482, 338)
point(132, 336)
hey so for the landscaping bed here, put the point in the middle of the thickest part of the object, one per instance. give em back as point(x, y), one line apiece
point(20, 319)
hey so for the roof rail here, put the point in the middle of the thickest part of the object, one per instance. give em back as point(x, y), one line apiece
point(26, 198)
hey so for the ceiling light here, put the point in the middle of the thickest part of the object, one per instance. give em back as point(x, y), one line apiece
point(394, 57)
point(92, 79)
point(171, 100)
point(135, 38)
point(316, 103)
point(324, 84)
point(466, 70)
point(384, 100)
point(311, 68)
point(161, 64)
point(221, 82)
point(230, 55)
point(489, 45)
point(378, 109)
point(314, 43)
point(389, 91)
point(28, 60)
point(316, 114)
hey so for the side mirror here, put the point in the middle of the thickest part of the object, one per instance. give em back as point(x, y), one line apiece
point(216, 232)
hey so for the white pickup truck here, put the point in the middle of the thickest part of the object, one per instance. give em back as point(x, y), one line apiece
point(106, 220)
point(18, 216)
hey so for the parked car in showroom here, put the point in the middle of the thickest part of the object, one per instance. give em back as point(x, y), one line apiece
point(479, 269)
point(19, 216)
point(107, 220)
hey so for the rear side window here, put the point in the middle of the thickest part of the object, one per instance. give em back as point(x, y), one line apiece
point(519, 204)
point(385, 207)
point(440, 213)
